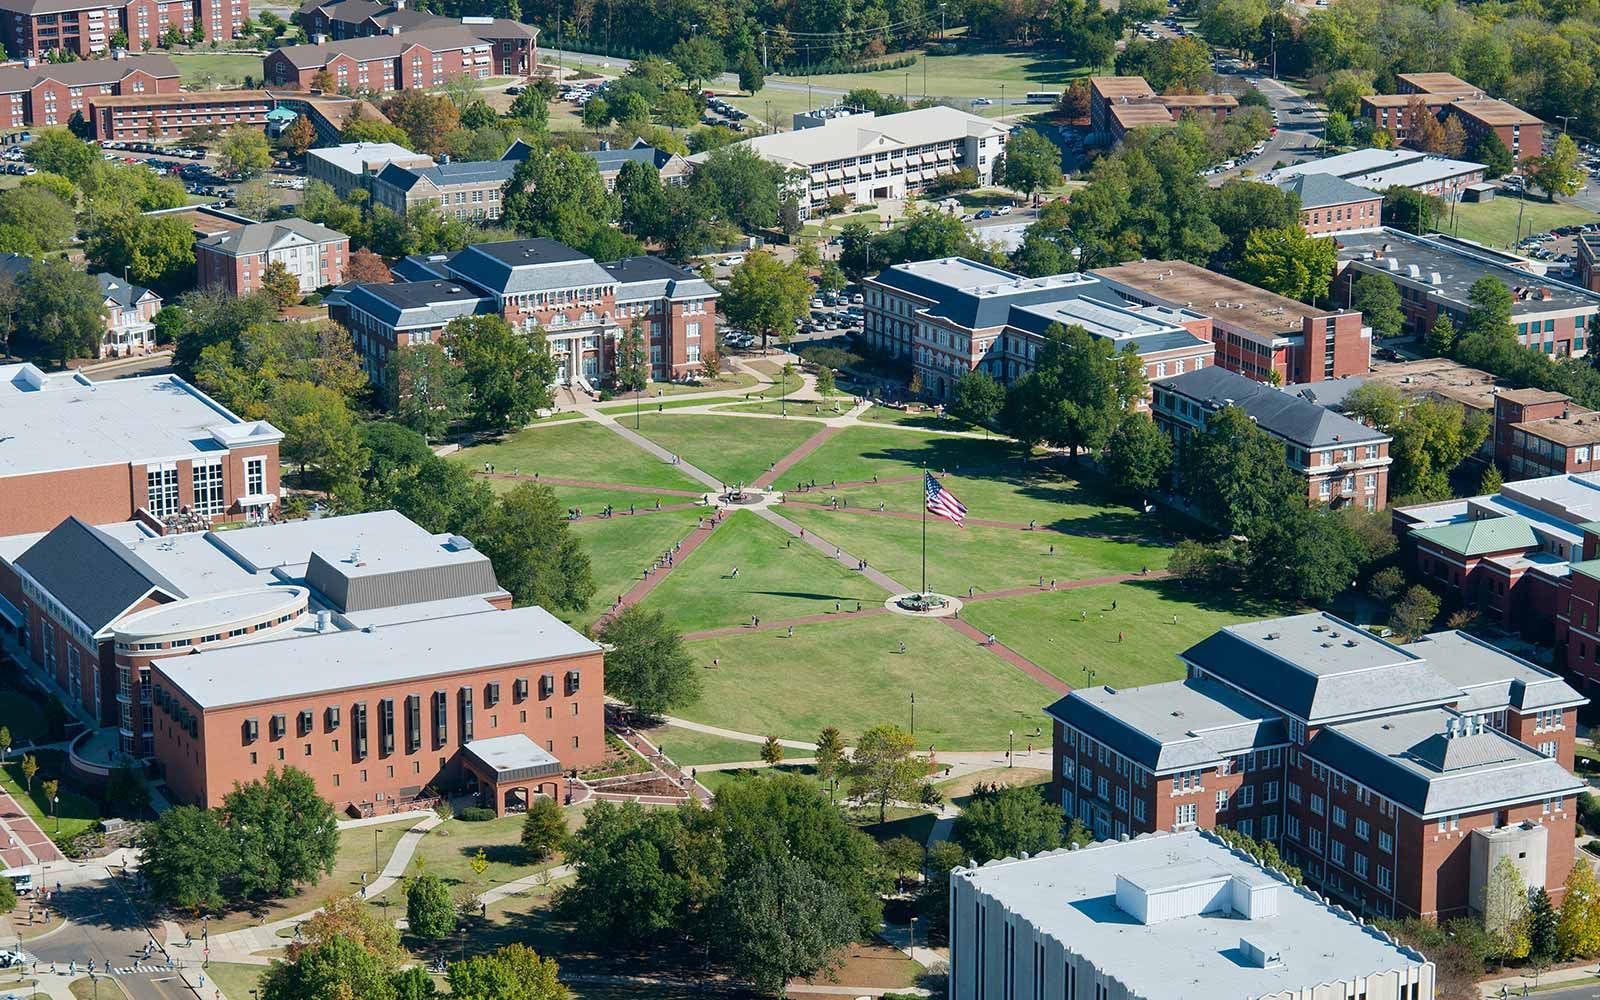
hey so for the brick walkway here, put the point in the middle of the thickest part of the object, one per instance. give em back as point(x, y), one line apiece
point(905, 515)
point(588, 484)
point(1011, 656)
point(846, 613)
point(788, 461)
point(25, 843)
point(642, 589)
point(663, 764)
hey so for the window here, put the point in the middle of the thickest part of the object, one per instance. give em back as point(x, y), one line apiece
point(1222, 801)
point(1122, 799)
point(358, 722)
point(1104, 788)
point(1336, 852)
point(208, 487)
point(1292, 825)
point(1548, 747)
point(1269, 827)
point(1269, 792)
point(1294, 792)
point(277, 725)
point(441, 718)
point(1451, 822)
point(466, 714)
point(1247, 796)
point(252, 732)
point(255, 476)
point(413, 723)
point(1339, 818)
point(1363, 829)
point(385, 726)
point(332, 718)
point(1138, 810)
point(1316, 804)
point(305, 722)
point(1385, 878)
point(1185, 814)
point(1315, 840)
point(1359, 864)
point(1385, 842)
point(161, 482)
point(491, 694)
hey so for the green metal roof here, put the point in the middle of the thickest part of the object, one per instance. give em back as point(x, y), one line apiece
point(1589, 568)
point(1592, 527)
point(1480, 537)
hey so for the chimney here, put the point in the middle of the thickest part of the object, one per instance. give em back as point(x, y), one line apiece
point(319, 39)
point(119, 53)
point(393, 29)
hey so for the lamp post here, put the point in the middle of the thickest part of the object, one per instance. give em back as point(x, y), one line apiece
point(1011, 743)
point(908, 87)
point(1564, 120)
point(913, 713)
point(377, 868)
point(1002, 102)
point(1088, 676)
point(55, 810)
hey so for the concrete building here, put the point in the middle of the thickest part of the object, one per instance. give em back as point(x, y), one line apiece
point(868, 158)
point(237, 260)
point(167, 115)
point(584, 307)
point(424, 54)
point(33, 29)
point(1390, 775)
point(1256, 331)
point(1330, 204)
point(1171, 916)
point(1342, 461)
point(952, 315)
point(353, 165)
point(1434, 277)
point(312, 644)
point(1381, 169)
point(152, 447)
point(51, 93)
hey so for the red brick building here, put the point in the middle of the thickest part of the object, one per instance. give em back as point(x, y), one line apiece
point(1120, 104)
point(1393, 776)
point(1256, 331)
point(49, 94)
point(71, 449)
point(418, 57)
point(1447, 96)
point(165, 115)
point(1331, 204)
point(583, 307)
point(36, 28)
point(238, 259)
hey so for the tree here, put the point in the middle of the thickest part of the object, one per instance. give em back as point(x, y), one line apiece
point(751, 76)
point(373, 130)
point(1379, 302)
point(1377, 404)
point(1409, 210)
point(58, 151)
point(1491, 481)
point(1559, 171)
point(51, 789)
point(336, 967)
point(254, 199)
point(30, 767)
point(830, 757)
point(285, 831)
point(1005, 822)
point(1542, 924)
point(633, 363)
point(319, 433)
point(280, 285)
point(1338, 131)
point(509, 373)
point(425, 390)
point(35, 220)
point(629, 889)
point(882, 768)
point(698, 59)
point(1489, 150)
point(429, 912)
point(1290, 262)
point(646, 664)
point(426, 118)
point(782, 921)
point(1076, 393)
point(1414, 613)
point(1386, 584)
point(299, 136)
point(244, 150)
point(1139, 455)
point(745, 188)
point(1425, 132)
point(644, 208)
point(1441, 340)
point(544, 828)
point(5, 743)
point(1489, 304)
point(1505, 910)
point(1234, 472)
point(825, 384)
point(1240, 207)
point(1304, 552)
point(772, 751)
point(1430, 440)
point(535, 555)
point(766, 297)
point(62, 308)
point(557, 193)
point(366, 266)
point(596, 113)
point(1578, 929)
point(187, 855)
point(978, 397)
point(1032, 162)
point(154, 251)
point(513, 972)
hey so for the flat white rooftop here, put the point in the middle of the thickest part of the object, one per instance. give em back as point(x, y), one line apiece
point(1072, 896)
point(52, 422)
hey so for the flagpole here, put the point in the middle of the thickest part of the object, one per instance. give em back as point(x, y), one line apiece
point(924, 530)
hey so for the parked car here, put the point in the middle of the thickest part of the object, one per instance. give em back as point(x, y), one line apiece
point(733, 261)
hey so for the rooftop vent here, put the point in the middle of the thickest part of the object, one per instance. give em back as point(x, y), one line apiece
point(1260, 954)
point(1350, 643)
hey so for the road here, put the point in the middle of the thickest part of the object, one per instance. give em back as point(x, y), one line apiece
point(103, 926)
point(1299, 134)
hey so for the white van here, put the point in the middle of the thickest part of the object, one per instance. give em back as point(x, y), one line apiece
point(21, 880)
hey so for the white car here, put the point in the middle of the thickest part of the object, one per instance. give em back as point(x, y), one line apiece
point(733, 261)
point(982, 102)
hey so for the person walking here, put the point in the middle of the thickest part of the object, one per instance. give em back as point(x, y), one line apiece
point(791, 631)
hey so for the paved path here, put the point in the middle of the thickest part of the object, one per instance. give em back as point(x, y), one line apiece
point(653, 578)
point(1010, 655)
point(733, 734)
point(517, 887)
point(25, 843)
point(588, 484)
point(788, 461)
point(641, 441)
point(877, 576)
point(664, 764)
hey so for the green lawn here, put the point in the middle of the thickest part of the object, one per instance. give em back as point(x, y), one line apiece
point(22, 716)
point(731, 448)
point(862, 452)
point(224, 69)
point(77, 812)
point(792, 408)
point(923, 419)
point(1050, 628)
point(236, 981)
point(584, 451)
point(975, 557)
point(1494, 222)
point(778, 578)
point(647, 405)
point(448, 849)
point(851, 674)
point(619, 550)
point(689, 747)
point(975, 75)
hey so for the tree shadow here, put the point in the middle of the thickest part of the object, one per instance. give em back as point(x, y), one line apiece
point(1231, 602)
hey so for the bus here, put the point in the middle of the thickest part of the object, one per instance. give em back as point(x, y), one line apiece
point(1043, 97)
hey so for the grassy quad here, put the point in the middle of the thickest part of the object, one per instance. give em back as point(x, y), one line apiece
point(648, 405)
point(734, 449)
point(836, 407)
point(777, 579)
point(851, 674)
point(620, 548)
point(862, 452)
point(582, 450)
point(976, 557)
point(920, 419)
point(690, 747)
point(224, 69)
point(1051, 628)
point(1494, 222)
point(593, 499)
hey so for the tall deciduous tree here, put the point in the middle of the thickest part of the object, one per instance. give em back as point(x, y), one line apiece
point(646, 664)
point(187, 855)
point(1234, 472)
point(1005, 822)
point(320, 434)
point(1430, 440)
point(61, 308)
point(1505, 910)
point(244, 150)
point(430, 913)
point(765, 296)
point(280, 285)
point(633, 360)
point(426, 391)
point(535, 555)
point(1578, 929)
point(425, 118)
point(978, 397)
point(366, 266)
point(557, 192)
point(1379, 302)
point(1290, 262)
point(544, 829)
point(830, 756)
point(644, 208)
point(513, 972)
point(1077, 392)
point(883, 768)
point(1558, 172)
point(1032, 162)
point(286, 833)
point(781, 920)
point(1413, 615)
point(153, 250)
point(509, 372)
point(1138, 455)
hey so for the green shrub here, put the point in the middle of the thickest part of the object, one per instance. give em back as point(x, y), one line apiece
point(8, 896)
point(476, 814)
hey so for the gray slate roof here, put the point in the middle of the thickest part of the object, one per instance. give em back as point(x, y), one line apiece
point(1282, 414)
point(92, 574)
point(1320, 668)
point(654, 278)
point(1409, 758)
point(1172, 727)
point(407, 304)
point(263, 236)
point(121, 292)
point(447, 37)
point(84, 73)
point(1491, 678)
point(1325, 190)
point(447, 174)
point(520, 266)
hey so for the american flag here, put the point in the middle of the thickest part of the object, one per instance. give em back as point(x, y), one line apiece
point(941, 502)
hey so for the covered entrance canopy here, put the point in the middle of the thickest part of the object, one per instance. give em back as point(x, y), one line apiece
point(512, 769)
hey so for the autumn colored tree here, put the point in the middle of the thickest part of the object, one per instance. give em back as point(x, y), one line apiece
point(426, 118)
point(364, 265)
point(297, 138)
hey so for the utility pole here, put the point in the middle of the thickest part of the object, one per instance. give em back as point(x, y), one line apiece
point(1564, 120)
point(765, 65)
point(941, 22)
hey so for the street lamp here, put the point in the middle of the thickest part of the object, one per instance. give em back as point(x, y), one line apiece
point(1011, 742)
point(1564, 120)
point(377, 868)
point(55, 810)
point(913, 713)
point(1088, 676)
point(1002, 102)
